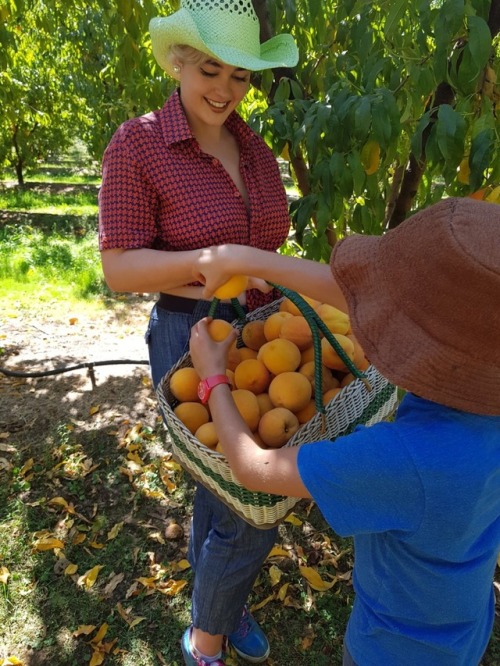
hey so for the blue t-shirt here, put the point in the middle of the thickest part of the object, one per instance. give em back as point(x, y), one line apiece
point(421, 496)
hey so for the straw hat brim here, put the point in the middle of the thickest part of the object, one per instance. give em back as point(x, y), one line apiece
point(180, 28)
point(418, 322)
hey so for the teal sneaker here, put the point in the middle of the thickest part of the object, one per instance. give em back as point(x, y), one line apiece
point(187, 652)
point(249, 641)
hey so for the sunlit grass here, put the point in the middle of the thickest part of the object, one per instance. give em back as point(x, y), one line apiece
point(71, 203)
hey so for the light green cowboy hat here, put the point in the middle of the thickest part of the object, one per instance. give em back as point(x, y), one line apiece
point(227, 30)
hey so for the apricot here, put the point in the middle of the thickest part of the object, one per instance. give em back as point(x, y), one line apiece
point(207, 435)
point(252, 374)
point(219, 329)
point(306, 413)
point(184, 384)
point(265, 403)
point(328, 381)
point(329, 395)
point(233, 356)
point(280, 355)
point(246, 352)
point(252, 334)
point(248, 407)
point(291, 390)
point(192, 414)
point(347, 379)
point(335, 320)
point(330, 357)
point(288, 305)
point(297, 330)
point(307, 355)
point(232, 288)
point(273, 323)
point(277, 426)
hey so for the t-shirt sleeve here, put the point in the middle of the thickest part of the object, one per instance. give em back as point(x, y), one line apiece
point(127, 202)
point(364, 482)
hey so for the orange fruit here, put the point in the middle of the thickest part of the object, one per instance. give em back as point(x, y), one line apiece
point(252, 334)
point(329, 395)
point(277, 426)
point(330, 357)
point(304, 415)
point(287, 305)
point(219, 329)
point(307, 355)
point(265, 403)
point(192, 414)
point(297, 330)
point(291, 390)
point(253, 375)
point(335, 320)
point(280, 355)
point(233, 356)
point(207, 435)
point(232, 288)
point(273, 323)
point(328, 381)
point(184, 384)
point(246, 352)
point(248, 407)
point(347, 379)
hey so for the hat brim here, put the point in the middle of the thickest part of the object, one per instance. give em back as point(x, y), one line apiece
point(180, 28)
point(404, 345)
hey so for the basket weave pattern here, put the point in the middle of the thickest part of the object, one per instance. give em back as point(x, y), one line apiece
point(353, 406)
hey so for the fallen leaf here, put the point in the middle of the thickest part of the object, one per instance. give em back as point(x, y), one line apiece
point(84, 629)
point(11, 661)
point(113, 584)
point(275, 574)
point(262, 603)
point(93, 410)
point(103, 630)
point(278, 552)
point(4, 575)
point(315, 580)
point(7, 448)
point(293, 520)
point(48, 544)
point(89, 577)
point(114, 531)
point(171, 587)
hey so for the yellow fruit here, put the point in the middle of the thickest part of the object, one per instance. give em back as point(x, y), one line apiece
point(494, 195)
point(219, 329)
point(265, 404)
point(277, 426)
point(252, 374)
point(248, 407)
point(370, 157)
point(291, 390)
point(297, 330)
point(330, 357)
point(233, 357)
point(232, 288)
point(192, 414)
point(304, 415)
point(329, 395)
point(463, 171)
point(273, 323)
point(207, 435)
point(280, 355)
point(252, 334)
point(336, 321)
point(347, 379)
point(287, 305)
point(246, 352)
point(184, 384)
point(328, 381)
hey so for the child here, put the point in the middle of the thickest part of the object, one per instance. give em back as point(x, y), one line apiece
point(420, 495)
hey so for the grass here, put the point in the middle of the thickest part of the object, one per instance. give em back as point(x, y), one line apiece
point(41, 606)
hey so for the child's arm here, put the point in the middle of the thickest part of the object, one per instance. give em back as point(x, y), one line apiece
point(267, 470)
point(215, 265)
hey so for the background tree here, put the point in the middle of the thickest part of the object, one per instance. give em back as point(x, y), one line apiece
point(392, 106)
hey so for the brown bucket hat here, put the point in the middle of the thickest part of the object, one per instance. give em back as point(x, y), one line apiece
point(424, 302)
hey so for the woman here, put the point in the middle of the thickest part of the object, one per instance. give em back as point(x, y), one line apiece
point(176, 180)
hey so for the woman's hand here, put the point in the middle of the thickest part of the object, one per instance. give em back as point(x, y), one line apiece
point(209, 357)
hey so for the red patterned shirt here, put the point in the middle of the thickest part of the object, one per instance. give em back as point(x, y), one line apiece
point(160, 191)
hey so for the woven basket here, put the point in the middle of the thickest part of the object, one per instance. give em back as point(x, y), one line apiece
point(353, 406)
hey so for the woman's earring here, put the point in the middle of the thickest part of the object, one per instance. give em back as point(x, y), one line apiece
point(176, 69)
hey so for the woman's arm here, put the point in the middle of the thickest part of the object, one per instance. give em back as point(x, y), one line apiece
point(310, 278)
point(147, 271)
point(266, 470)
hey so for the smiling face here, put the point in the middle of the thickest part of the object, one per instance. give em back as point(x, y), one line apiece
point(210, 91)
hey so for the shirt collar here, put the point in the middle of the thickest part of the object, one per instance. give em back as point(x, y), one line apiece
point(175, 126)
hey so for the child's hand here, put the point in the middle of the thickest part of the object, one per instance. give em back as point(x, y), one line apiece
point(209, 357)
point(209, 269)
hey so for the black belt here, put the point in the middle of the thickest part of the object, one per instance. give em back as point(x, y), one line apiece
point(177, 303)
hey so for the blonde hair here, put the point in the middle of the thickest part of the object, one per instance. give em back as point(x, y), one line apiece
point(186, 54)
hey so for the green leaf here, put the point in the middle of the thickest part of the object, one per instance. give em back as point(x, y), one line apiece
point(481, 152)
point(450, 134)
point(396, 12)
point(479, 41)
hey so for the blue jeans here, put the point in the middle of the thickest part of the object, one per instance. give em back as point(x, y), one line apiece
point(225, 552)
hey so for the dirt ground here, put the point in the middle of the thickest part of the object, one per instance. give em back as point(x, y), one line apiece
point(45, 338)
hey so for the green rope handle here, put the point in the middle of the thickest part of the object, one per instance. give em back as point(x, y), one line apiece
point(241, 314)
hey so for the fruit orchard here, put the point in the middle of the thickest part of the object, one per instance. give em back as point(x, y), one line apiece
point(393, 104)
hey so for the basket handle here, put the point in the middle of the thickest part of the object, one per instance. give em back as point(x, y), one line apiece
point(240, 312)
